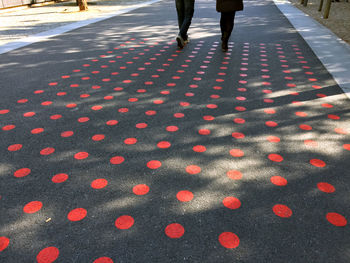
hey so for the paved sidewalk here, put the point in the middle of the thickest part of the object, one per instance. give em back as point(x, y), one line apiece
point(117, 147)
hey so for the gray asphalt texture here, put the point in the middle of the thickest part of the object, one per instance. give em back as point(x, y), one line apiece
point(269, 84)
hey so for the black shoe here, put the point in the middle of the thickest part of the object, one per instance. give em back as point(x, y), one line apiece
point(180, 41)
point(224, 46)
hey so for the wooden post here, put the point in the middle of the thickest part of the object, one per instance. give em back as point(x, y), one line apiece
point(327, 9)
point(320, 6)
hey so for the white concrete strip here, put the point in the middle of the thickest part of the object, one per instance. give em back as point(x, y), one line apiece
point(62, 29)
point(333, 52)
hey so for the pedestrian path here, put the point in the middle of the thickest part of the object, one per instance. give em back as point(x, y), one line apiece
point(117, 147)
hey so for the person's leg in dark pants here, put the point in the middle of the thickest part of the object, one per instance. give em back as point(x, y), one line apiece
point(185, 10)
point(226, 25)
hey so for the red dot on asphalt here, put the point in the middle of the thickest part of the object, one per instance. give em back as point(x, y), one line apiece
point(238, 135)
point(208, 118)
point(59, 178)
point(172, 128)
point(32, 207)
point(174, 230)
point(275, 157)
point(123, 110)
point(305, 127)
point(47, 255)
point(179, 115)
point(22, 172)
point(333, 117)
point(130, 141)
point(14, 147)
point(55, 117)
point(29, 114)
point(282, 211)
point(141, 125)
point(232, 202)
point(140, 189)
point(199, 148)
point(236, 153)
point(204, 131)
point(229, 240)
point(96, 107)
point(336, 219)
point(340, 131)
point(98, 137)
point(99, 183)
point(124, 222)
point(67, 134)
point(193, 169)
point(71, 105)
point(81, 155)
point(327, 105)
point(326, 187)
point(269, 111)
point(184, 196)
point(278, 180)
point(273, 139)
point(311, 143)
point(212, 106)
point(163, 144)
point(77, 214)
point(154, 164)
point(234, 174)
point(317, 163)
point(271, 124)
point(37, 130)
point(47, 151)
point(4, 111)
point(151, 112)
point(112, 122)
point(83, 119)
point(103, 260)
point(239, 120)
point(4, 243)
point(117, 160)
point(346, 147)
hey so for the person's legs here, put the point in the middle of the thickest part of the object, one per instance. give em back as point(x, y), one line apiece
point(180, 9)
point(226, 26)
point(188, 14)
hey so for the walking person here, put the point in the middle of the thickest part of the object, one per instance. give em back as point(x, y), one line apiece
point(228, 9)
point(185, 10)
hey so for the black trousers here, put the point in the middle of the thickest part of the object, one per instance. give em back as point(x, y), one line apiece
point(185, 10)
point(226, 24)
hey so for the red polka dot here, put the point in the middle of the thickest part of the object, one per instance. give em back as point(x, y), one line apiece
point(269, 111)
point(4, 111)
point(238, 135)
point(179, 115)
point(158, 101)
point(317, 163)
point(172, 128)
point(98, 137)
point(96, 107)
point(117, 160)
point(232, 202)
point(46, 103)
point(336, 219)
point(22, 172)
point(208, 118)
point(174, 230)
point(130, 141)
point(333, 117)
point(212, 106)
point(193, 169)
point(124, 222)
point(273, 139)
point(271, 124)
point(141, 125)
point(234, 175)
point(154, 164)
point(14, 147)
point(4, 243)
point(325, 187)
point(67, 134)
point(301, 114)
point(59, 178)
point(56, 117)
point(199, 148)
point(37, 130)
point(204, 131)
point(282, 210)
point(163, 144)
point(275, 157)
point(229, 240)
point(83, 119)
point(346, 147)
point(236, 153)
point(340, 131)
point(99, 183)
point(151, 112)
point(184, 196)
point(47, 151)
point(48, 255)
point(239, 120)
point(184, 104)
point(140, 189)
point(71, 105)
point(77, 214)
point(327, 105)
point(112, 122)
point(22, 101)
point(278, 180)
point(103, 260)
point(81, 155)
point(32, 207)
point(123, 110)
point(305, 127)
point(29, 114)
point(8, 127)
